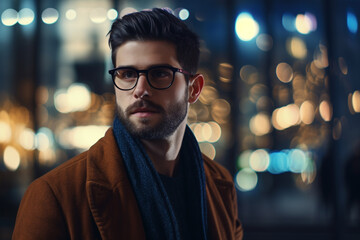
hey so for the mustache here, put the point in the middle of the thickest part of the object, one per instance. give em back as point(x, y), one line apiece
point(143, 104)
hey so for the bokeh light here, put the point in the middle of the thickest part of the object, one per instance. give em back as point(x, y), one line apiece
point(246, 27)
point(279, 162)
point(81, 137)
point(184, 14)
point(297, 48)
point(50, 16)
point(260, 124)
point(264, 42)
point(112, 14)
point(249, 74)
point(343, 65)
point(356, 101)
point(11, 158)
point(76, 98)
point(284, 72)
point(70, 14)
point(307, 112)
point(44, 139)
point(246, 179)
point(305, 23)
point(243, 160)
point(220, 110)
point(286, 117)
point(325, 110)
point(98, 15)
point(9, 17)
point(27, 139)
point(208, 149)
point(352, 22)
point(5, 130)
point(206, 131)
point(259, 160)
point(297, 161)
point(26, 16)
point(288, 22)
point(225, 72)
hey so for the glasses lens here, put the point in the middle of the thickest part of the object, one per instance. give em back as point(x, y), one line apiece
point(161, 77)
point(125, 78)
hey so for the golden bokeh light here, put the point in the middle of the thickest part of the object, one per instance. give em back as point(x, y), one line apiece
point(81, 137)
point(47, 157)
point(220, 110)
point(325, 110)
point(27, 139)
point(303, 24)
point(76, 98)
point(206, 131)
point(6, 133)
point(225, 72)
point(208, 149)
point(208, 95)
point(343, 65)
point(286, 117)
point(249, 74)
point(307, 112)
point(11, 158)
point(296, 47)
point(284, 72)
point(356, 101)
point(260, 124)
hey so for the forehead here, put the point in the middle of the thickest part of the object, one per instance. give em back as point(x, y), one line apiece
point(143, 54)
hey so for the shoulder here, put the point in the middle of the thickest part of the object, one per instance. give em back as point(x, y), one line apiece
point(75, 170)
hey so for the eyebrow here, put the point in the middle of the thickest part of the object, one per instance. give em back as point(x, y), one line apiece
point(151, 66)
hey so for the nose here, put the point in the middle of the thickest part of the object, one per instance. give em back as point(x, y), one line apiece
point(142, 87)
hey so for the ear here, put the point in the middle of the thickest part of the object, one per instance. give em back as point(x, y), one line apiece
point(196, 85)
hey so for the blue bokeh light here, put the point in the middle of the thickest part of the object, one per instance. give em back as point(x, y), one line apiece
point(352, 22)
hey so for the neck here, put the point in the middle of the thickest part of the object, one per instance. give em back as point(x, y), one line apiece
point(164, 153)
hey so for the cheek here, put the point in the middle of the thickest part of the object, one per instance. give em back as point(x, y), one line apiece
point(120, 101)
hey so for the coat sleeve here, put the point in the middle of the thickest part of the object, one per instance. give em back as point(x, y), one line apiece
point(40, 215)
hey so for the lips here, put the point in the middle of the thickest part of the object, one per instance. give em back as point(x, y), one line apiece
point(144, 109)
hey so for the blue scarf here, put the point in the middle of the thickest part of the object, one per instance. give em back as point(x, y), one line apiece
point(157, 214)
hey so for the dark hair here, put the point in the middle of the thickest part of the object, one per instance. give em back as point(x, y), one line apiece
point(157, 24)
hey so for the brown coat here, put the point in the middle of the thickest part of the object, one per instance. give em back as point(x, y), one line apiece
point(90, 197)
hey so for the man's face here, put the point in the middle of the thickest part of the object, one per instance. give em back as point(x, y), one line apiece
point(149, 113)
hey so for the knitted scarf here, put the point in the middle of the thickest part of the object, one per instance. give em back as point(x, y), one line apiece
point(157, 214)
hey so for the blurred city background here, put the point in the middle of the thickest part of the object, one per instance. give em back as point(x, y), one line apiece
point(280, 109)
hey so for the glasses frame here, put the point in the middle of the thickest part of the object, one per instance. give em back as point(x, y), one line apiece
point(146, 72)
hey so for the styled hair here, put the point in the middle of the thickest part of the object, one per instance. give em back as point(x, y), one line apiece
point(157, 24)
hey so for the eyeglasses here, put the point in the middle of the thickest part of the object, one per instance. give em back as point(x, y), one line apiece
point(158, 77)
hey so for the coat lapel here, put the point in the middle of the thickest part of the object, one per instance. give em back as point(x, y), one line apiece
point(220, 221)
point(109, 192)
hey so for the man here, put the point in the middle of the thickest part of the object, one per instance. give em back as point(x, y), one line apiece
point(146, 178)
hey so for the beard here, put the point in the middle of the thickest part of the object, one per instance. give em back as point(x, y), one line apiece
point(169, 122)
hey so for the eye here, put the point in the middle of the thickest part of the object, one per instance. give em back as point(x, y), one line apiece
point(159, 73)
point(126, 74)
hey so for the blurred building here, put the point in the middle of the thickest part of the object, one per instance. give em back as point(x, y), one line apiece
point(280, 109)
